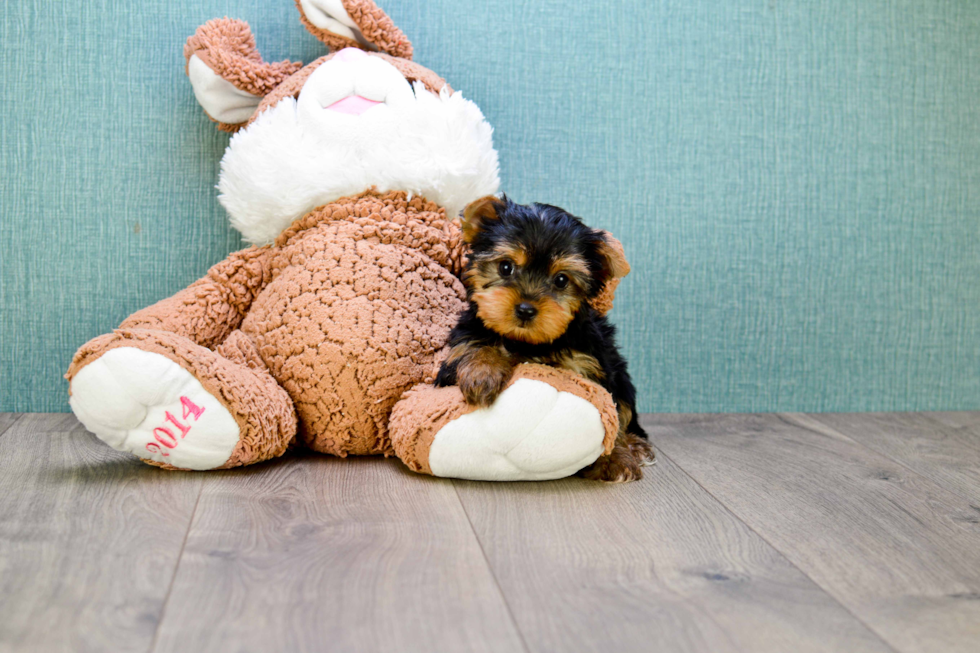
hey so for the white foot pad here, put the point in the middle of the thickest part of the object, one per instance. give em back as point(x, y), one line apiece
point(532, 432)
point(150, 406)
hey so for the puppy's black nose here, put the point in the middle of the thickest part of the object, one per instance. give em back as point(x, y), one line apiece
point(525, 311)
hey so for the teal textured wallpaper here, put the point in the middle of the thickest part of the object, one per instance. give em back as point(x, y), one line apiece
point(797, 183)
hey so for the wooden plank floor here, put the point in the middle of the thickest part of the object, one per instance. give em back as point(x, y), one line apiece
point(752, 533)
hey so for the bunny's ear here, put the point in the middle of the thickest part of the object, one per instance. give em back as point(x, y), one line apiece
point(354, 24)
point(228, 75)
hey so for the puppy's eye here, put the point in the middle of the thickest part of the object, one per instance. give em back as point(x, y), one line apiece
point(561, 281)
point(506, 267)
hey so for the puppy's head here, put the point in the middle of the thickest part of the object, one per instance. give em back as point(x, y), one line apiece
point(532, 267)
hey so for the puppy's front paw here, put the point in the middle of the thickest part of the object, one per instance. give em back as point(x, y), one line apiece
point(621, 466)
point(481, 384)
point(642, 450)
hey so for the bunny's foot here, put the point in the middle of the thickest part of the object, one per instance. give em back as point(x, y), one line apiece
point(546, 424)
point(177, 405)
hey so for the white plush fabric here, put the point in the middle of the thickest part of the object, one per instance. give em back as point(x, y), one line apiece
point(126, 393)
point(219, 97)
point(331, 16)
point(299, 155)
point(532, 432)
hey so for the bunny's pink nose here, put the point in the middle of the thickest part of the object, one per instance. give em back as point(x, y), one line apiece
point(350, 54)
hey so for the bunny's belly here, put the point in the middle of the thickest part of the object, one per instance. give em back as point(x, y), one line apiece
point(346, 331)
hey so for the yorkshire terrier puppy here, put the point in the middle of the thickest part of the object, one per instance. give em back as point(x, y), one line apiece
point(531, 274)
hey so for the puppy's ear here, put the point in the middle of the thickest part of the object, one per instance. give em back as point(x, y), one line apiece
point(478, 214)
point(611, 251)
point(615, 267)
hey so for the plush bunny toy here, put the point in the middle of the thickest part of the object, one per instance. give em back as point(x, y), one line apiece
point(347, 175)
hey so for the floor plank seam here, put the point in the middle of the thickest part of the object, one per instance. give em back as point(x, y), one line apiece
point(493, 574)
point(173, 577)
point(929, 479)
point(954, 490)
point(969, 428)
point(937, 481)
point(19, 417)
point(775, 548)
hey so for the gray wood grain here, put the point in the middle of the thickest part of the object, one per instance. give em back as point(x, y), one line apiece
point(653, 565)
point(899, 551)
point(753, 533)
point(89, 539)
point(969, 419)
point(7, 420)
point(320, 553)
point(945, 448)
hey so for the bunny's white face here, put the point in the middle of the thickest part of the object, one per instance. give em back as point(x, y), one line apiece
point(351, 83)
point(357, 123)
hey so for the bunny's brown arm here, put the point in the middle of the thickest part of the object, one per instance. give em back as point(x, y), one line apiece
point(227, 72)
point(213, 306)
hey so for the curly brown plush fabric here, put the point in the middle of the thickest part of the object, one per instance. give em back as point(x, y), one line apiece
point(227, 47)
point(211, 308)
point(363, 295)
point(374, 24)
point(425, 409)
